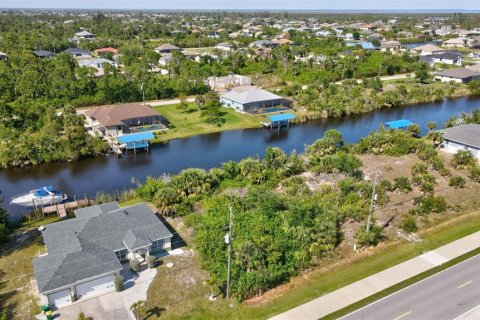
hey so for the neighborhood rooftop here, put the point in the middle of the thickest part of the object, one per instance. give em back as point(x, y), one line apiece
point(110, 115)
point(249, 94)
point(467, 134)
point(85, 246)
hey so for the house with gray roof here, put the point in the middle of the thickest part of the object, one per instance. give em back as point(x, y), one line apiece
point(86, 252)
point(462, 137)
point(251, 99)
point(78, 52)
point(460, 75)
point(43, 54)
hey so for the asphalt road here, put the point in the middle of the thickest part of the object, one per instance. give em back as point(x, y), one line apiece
point(451, 294)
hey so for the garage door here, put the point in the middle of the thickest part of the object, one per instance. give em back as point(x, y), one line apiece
point(60, 299)
point(96, 286)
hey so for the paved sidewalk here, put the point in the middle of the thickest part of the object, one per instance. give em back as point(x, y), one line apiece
point(366, 287)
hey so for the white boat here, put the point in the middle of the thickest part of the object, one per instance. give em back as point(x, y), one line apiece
point(39, 197)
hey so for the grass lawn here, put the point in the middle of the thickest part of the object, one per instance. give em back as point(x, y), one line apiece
point(190, 123)
point(130, 202)
point(311, 285)
point(17, 292)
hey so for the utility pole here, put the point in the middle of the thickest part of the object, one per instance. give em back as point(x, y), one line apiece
point(143, 93)
point(374, 198)
point(228, 240)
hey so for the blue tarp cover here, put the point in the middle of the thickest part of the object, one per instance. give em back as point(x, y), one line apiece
point(399, 124)
point(136, 137)
point(281, 117)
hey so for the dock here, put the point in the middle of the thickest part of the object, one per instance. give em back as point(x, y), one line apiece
point(133, 141)
point(61, 208)
point(399, 124)
point(279, 120)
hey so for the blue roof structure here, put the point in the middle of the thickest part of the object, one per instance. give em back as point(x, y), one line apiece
point(366, 45)
point(281, 117)
point(136, 137)
point(399, 124)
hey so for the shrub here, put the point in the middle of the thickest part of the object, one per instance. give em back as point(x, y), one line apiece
point(151, 262)
point(419, 169)
point(457, 182)
point(437, 163)
point(386, 185)
point(428, 204)
point(134, 265)
point(475, 173)
point(463, 159)
point(408, 223)
point(427, 187)
point(402, 183)
point(118, 282)
point(370, 238)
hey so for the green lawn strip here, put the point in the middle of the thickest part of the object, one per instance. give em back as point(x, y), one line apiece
point(386, 257)
point(130, 202)
point(401, 285)
point(35, 224)
point(189, 123)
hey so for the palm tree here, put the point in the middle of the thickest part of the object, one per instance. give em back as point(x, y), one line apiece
point(138, 308)
point(432, 125)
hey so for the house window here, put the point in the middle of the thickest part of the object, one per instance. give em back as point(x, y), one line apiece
point(156, 245)
point(121, 254)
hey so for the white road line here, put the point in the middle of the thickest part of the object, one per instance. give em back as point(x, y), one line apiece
point(465, 284)
point(464, 314)
point(403, 315)
point(408, 287)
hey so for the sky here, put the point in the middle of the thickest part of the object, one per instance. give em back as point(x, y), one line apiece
point(249, 4)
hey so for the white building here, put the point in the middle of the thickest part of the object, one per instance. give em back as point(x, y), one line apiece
point(462, 137)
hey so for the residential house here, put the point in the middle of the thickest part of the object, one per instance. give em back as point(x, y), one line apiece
point(85, 253)
point(390, 46)
point(225, 46)
point(462, 137)
point(111, 50)
point(115, 120)
point(461, 42)
point(428, 49)
point(375, 36)
point(166, 53)
point(451, 58)
point(96, 63)
point(167, 48)
point(83, 35)
point(251, 99)
point(228, 82)
point(213, 35)
point(460, 75)
point(78, 52)
point(262, 44)
point(44, 54)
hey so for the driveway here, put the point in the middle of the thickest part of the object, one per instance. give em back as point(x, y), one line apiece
point(113, 305)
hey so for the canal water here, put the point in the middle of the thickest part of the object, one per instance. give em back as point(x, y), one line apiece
point(107, 173)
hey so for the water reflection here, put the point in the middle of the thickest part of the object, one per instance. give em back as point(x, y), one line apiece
point(107, 173)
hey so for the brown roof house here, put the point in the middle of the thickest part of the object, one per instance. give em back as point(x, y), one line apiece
point(115, 120)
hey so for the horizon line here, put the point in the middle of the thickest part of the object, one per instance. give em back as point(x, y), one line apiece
point(448, 10)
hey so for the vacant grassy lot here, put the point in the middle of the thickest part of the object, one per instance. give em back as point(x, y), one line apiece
point(17, 290)
point(189, 123)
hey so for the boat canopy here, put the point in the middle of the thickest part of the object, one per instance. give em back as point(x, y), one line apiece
point(43, 192)
point(399, 124)
point(281, 117)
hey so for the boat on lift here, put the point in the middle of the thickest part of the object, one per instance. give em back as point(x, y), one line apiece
point(40, 197)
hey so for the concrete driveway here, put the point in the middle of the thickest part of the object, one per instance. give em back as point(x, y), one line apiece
point(113, 305)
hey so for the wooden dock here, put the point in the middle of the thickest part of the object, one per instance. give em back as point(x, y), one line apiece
point(61, 208)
